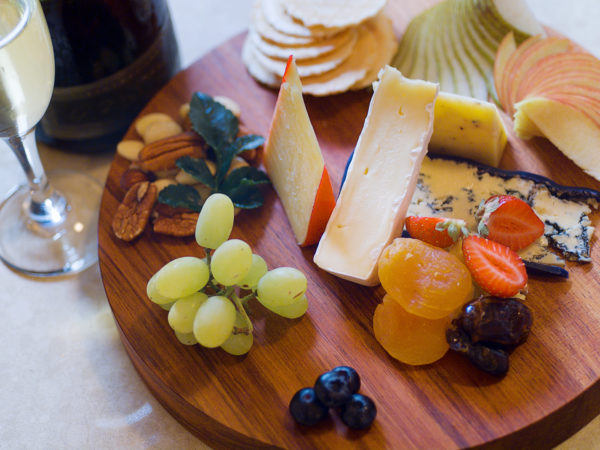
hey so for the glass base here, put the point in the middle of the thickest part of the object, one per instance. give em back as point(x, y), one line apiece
point(68, 248)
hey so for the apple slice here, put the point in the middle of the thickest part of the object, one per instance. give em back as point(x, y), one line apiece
point(506, 48)
point(524, 127)
point(509, 70)
point(528, 58)
point(569, 129)
point(294, 162)
point(559, 66)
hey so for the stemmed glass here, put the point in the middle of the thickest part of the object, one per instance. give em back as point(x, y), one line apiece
point(47, 226)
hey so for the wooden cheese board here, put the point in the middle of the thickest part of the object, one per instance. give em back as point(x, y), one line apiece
point(552, 388)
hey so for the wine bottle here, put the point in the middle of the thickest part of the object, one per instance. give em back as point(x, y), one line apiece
point(111, 57)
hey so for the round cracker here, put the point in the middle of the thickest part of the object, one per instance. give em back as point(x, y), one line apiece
point(255, 69)
point(333, 13)
point(353, 69)
point(274, 12)
point(307, 67)
point(262, 26)
point(320, 48)
point(383, 30)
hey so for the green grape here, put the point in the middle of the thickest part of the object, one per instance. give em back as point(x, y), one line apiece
point(154, 295)
point(281, 287)
point(215, 221)
point(186, 338)
point(182, 277)
point(166, 306)
point(293, 310)
point(257, 270)
point(238, 344)
point(231, 262)
point(183, 312)
point(214, 321)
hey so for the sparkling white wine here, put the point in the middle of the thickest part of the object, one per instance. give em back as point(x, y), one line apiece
point(26, 66)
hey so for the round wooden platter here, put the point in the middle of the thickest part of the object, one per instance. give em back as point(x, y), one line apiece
point(551, 390)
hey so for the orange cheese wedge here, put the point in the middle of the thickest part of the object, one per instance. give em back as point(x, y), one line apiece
point(295, 164)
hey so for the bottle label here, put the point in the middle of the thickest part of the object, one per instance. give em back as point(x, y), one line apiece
point(106, 106)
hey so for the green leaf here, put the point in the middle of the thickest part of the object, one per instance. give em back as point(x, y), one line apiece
point(242, 187)
point(246, 195)
point(248, 174)
point(197, 168)
point(211, 120)
point(181, 195)
point(248, 142)
point(241, 144)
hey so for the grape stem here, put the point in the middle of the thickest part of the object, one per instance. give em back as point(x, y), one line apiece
point(240, 307)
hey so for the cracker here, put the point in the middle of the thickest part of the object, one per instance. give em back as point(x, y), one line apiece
point(320, 48)
point(333, 13)
point(260, 24)
point(307, 67)
point(352, 70)
point(383, 30)
point(275, 13)
point(256, 70)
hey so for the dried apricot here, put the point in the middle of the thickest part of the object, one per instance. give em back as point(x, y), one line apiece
point(425, 280)
point(407, 337)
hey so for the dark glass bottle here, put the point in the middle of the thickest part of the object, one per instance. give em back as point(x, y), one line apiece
point(111, 57)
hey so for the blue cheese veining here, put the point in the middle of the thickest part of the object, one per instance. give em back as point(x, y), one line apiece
point(449, 188)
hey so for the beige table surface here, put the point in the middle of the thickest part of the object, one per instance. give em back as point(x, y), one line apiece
point(65, 379)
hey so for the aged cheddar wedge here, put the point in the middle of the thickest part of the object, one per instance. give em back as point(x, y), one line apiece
point(295, 165)
point(381, 178)
point(469, 128)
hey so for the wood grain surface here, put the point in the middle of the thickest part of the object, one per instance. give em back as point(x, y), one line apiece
point(551, 390)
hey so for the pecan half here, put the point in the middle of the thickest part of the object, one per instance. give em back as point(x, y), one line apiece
point(131, 177)
point(134, 211)
point(174, 221)
point(161, 155)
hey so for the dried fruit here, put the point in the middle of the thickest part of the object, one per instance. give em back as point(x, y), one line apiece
point(510, 221)
point(504, 321)
point(407, 337)
point(425, 280)
point(134, 211)
point(491, 360)
point(495, 268)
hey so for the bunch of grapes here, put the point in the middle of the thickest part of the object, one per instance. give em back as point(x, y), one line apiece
point(207, 298)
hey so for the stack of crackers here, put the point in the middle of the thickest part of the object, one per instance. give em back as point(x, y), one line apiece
point(338, 45)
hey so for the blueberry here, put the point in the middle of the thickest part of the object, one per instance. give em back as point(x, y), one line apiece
point(306, 408)
point(332, 388)
point(352, 377)
point(359, 412)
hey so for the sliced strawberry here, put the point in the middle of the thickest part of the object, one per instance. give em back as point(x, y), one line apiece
point(437, 231)
point(510, 221)
point(494, 267)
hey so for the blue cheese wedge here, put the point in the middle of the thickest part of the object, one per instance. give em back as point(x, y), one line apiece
point(454, 189)
point(381, 178)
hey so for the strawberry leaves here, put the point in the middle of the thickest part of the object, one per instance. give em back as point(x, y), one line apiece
point(219, 128)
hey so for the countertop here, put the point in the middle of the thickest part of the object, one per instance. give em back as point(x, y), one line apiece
point(67, 382)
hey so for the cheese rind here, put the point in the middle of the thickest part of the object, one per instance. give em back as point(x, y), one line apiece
point(381, 178)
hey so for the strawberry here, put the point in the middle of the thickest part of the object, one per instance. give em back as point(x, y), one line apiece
point(510, 221)
point(437, 231)
point(495, 268)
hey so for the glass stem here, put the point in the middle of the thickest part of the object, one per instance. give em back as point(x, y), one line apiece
point(46, 207)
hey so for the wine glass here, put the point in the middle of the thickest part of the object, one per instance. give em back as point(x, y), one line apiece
point(49, 225)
